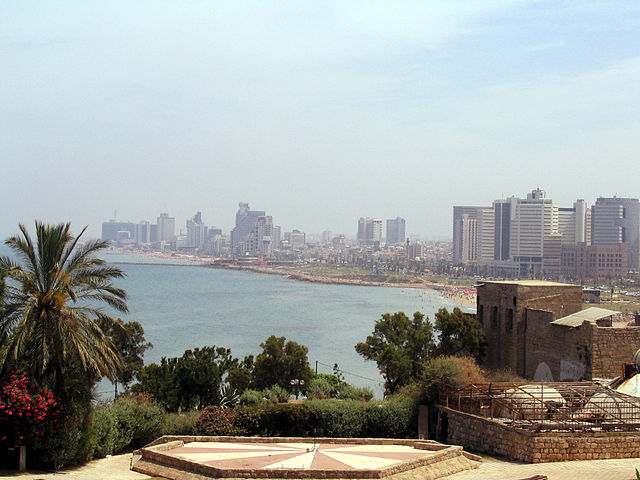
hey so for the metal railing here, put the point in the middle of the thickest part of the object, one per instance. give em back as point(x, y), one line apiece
point(582, 406)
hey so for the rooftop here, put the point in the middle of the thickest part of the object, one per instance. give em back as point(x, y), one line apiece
point(528, 283)
point(592, 315)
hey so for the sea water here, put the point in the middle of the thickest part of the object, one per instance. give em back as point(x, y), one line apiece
point(184, 307)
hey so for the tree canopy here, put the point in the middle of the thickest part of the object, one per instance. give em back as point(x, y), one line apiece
point(459, 334)
point(128, 338)
point(194, 380)
point(280, 362)
point(399, 345)
point(53, 295)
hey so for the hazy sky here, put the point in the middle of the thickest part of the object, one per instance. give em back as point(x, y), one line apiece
point(317, 112)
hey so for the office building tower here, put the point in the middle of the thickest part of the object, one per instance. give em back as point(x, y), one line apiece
point(261, 239)
point(166, 228)
point(616, 221)
point(113, 231)
point(572, 223)
point(395, 231)
point(196, 232)
point(297, 239)
point(369, 231)
point(245, 223)
point(143, 233)
point(277, 236)
point(472, 234)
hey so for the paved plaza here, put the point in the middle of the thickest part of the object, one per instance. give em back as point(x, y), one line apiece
point(226, 455)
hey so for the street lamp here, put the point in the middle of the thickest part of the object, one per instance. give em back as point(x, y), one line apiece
point(297, 383)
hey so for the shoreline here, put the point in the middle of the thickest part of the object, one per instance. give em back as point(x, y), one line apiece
point(465, 297)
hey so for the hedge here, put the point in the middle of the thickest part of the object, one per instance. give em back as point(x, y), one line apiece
point(393, 418)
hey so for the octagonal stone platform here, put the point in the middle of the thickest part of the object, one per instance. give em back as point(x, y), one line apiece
point(200, 458)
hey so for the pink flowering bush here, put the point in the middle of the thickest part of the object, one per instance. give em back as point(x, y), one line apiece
point(24, 410)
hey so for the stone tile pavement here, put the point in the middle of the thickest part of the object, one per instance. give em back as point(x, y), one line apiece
point(493, 468)
point(117, 468)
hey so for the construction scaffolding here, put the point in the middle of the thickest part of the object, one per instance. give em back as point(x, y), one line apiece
point(580, 406)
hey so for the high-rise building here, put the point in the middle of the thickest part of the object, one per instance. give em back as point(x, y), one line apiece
point(395, 231)
point(369, 231)
point(616, 221)
point(113, 231)
point(261, 239)
point(245, 223)
point(572, 223)
point(166, 228)
point(533, 218)
point(196, 232)
point(472, 234)
point(326, 237)
point(143, 233)
point(277, 236)
point(297, 239)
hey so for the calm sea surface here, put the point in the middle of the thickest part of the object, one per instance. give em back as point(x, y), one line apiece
point(183, 307)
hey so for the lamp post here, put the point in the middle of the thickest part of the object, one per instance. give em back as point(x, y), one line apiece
point(297, 384)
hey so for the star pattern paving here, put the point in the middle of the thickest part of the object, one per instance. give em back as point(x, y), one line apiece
point(308, 456)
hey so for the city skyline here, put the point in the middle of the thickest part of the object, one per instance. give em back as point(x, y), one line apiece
point(317, 113)
point(533, 236)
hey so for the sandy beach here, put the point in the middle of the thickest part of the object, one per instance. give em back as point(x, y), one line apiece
point(465, 296)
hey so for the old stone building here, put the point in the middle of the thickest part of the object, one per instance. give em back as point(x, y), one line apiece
point(539, 330)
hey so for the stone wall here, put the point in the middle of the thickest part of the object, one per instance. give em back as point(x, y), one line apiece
point(556, 353)
point(611, 347)
point(485, 435)
point(561, 353)
point(501, 308)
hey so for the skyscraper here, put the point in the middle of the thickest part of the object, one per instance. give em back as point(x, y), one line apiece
point(196, 232)
point(253, 233)
point(166, 228)
point(369, 231)
point(143, 232)
point(462, 219)
point(395, 231)
point(616, 221)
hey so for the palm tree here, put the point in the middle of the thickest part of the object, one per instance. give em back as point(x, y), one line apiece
point(53, 296)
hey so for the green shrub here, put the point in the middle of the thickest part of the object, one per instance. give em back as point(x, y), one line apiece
point(247, 419)
point(215, 420)
point(180, 423)
point(319, 388)
point(139, 422)
point(252, 397)
point(443, 374)
point(102, 434)
point(64, 441)
point(123, 425)
point(345, 391)
point(392, 418)
point(284, 420)
point(276, 394)
point(396, 417)
point(338, 418)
